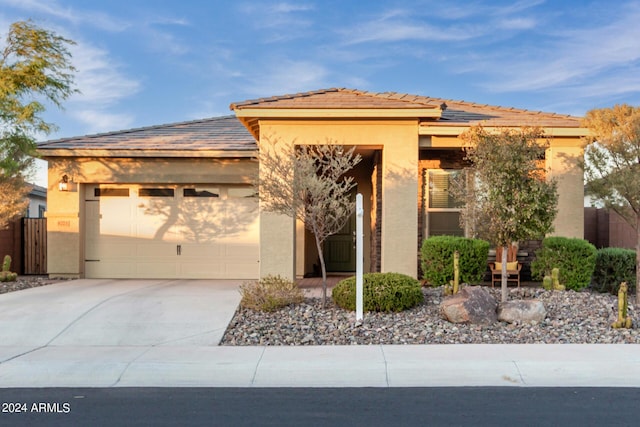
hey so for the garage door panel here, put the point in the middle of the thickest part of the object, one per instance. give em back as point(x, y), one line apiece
point(154, 249)
point(110, 269)
point(211, 251)
point(138, 237)
point(203, 270)
point(156, 269)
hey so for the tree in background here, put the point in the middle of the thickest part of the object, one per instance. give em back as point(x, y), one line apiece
point(506, 195)
point(34, 67)
point(308, 183)
point(612, 165)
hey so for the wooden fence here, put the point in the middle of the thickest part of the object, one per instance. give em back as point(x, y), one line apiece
point(34, 241)
point(606, 228)
point(25, 240)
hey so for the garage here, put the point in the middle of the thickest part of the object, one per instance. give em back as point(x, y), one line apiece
point(171, 231)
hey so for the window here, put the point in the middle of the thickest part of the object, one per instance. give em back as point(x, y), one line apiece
point(442, 209)
point(41, 210)
point(111, 192)
point(156, 192)
point(201, 192)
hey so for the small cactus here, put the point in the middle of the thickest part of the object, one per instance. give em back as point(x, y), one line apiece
point(547, 283)
point(454, 286)
point(6, 275)
point(555, 278)
point(624, 321)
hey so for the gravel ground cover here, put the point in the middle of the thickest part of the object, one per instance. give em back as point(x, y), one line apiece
point(25, 282)
point(572, 317)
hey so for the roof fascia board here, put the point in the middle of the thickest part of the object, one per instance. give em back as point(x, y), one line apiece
point(457, 130)
point(435, 112)
point(60, 152)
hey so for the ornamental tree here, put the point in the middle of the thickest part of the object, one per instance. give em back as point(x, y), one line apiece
point(308, 182)
point(612, 165)
point(35, 66)
point(506, 195)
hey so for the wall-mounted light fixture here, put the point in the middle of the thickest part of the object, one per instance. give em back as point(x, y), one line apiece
point(64, 183)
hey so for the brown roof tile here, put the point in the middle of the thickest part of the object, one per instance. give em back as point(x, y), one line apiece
point(336, 98)
point(456, 113)
point(218, 133)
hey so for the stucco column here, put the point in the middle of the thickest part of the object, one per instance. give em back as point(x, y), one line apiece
point(63, 226)
point(277, 239)
point(561, 161)
point(399, 241)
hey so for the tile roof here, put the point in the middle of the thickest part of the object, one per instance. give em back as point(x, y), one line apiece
point(456, 113)
point(338, 98)
point(217, 134)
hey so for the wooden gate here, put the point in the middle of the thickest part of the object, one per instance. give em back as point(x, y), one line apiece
point(34, 240)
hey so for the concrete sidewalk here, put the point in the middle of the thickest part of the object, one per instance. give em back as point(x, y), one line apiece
point(117, 333)
point(323, 366)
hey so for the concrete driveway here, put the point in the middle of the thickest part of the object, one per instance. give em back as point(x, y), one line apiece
point(87, 332)
point(119, 313)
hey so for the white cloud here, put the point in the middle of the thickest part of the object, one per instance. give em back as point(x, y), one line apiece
point(397, 26)
point(517, 23)
point(54, 9)
point(97, 120)
point(571, 57)
point(286, 76)
point(98, 78)
point(280, 21)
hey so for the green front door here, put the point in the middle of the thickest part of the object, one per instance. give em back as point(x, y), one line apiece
point(339, 249)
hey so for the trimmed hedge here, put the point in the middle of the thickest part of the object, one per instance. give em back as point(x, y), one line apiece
point(381, 292)
point(614, 266)
point(576, 259)
point(437, 259)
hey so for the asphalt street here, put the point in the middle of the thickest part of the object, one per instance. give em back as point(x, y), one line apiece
point(449, 406)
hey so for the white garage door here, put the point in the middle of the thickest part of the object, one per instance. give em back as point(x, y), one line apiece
point(174, 231)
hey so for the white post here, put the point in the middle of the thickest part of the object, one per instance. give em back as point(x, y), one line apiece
point(359, 256)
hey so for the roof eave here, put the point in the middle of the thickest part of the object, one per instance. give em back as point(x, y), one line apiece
point(319, 113)
point(60, 152)
point(459, 129)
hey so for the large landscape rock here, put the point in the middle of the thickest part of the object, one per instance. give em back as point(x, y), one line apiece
point(473, 304)
point(522, 311)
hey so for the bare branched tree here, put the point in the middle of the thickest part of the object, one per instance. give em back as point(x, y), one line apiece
point(308, 182)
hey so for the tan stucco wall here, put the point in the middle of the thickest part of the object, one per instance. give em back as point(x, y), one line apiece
point(399, 141)
point(65, 208)
point(561, 163)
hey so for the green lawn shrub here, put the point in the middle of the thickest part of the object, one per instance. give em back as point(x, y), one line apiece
point(436, 258)
point(614, 266)
point(381, 292)
point(270, 293)
point(576, 259)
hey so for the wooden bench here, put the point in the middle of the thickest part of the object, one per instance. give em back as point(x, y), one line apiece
point(513, 273)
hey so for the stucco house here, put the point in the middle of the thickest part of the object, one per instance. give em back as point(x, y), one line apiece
point(176, 201)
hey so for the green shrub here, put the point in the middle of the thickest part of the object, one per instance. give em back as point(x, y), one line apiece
point(613, 266)
point(270, 293)
point(437, 259)
point(576, 259)
point(381, 292)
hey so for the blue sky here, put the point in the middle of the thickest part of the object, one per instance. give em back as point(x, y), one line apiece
point(143, 62)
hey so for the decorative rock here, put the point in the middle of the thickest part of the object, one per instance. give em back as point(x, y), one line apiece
point(522, 311)
point(473, 304)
